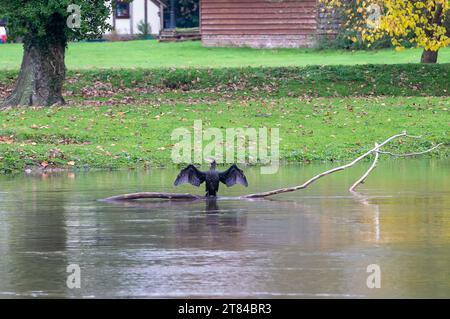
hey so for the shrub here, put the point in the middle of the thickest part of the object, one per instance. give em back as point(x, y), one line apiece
point(145, 30)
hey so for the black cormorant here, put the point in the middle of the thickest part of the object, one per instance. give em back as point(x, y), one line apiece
point(211, 178)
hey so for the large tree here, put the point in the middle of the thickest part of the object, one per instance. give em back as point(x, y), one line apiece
point(422, 23)
point(45, 27)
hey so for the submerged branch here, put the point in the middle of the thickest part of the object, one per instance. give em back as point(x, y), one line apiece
point(153, 195)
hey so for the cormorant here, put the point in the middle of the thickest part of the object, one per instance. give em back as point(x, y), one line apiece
point(211, 178)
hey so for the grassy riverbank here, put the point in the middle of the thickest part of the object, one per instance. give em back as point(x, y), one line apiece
point(124, 118)
point(322, 129)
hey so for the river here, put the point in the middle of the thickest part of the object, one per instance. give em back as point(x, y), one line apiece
point(316, 242)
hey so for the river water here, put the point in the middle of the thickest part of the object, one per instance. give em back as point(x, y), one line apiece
point(316, 242)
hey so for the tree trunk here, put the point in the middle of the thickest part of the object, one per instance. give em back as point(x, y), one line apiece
point(429, 56)
point(41, 76)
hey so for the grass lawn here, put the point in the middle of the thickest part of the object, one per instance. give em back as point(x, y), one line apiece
point(136, 135)
point(152, 54)
point(124, 118)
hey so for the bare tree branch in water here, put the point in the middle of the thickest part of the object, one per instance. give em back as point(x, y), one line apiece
point(411, 154)
point(333, 170)
point(374, 163)
point(371, 168)
point(154, 195)
point(376, 150)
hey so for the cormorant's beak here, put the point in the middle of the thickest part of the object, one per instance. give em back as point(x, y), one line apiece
point(212, 163)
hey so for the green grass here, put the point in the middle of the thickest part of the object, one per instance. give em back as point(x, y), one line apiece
point(313, 81)
point(151, 54)
point(322, 129)
point(124, 117)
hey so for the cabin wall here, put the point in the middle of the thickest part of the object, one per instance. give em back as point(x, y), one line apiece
point(259, 23)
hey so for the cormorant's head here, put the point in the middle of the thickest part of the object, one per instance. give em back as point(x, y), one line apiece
point(213, 163)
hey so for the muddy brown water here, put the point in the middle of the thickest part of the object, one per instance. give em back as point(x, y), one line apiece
point(316, 242)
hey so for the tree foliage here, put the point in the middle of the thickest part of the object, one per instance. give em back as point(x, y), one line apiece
point(45, 27)
point(187, 12)
point(420, 22)
point(45, 21)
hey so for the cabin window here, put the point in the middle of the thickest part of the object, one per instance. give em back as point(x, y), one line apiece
point(122, 10)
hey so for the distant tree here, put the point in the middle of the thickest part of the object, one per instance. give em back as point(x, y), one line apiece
point(420, 22)
point(187, 13)
point(45, 27)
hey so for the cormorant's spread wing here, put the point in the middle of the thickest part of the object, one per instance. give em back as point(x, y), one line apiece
point(232, 176)
point(190, 175)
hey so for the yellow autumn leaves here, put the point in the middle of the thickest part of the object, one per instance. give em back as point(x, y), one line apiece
point(416, 21)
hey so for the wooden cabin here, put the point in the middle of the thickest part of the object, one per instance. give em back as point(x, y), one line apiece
point(262, 23)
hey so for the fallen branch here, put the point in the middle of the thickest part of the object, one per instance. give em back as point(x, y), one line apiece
point(333, 170)
point(374, 164)
point(411, 154)
point(153, 195)
point(375, 149)
point(371, 168)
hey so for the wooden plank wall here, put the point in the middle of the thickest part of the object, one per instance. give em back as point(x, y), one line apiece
point(258, 23)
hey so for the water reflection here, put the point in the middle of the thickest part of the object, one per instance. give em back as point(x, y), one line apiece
point(317, 242)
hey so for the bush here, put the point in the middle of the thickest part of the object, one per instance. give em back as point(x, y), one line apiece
point(145, 30)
